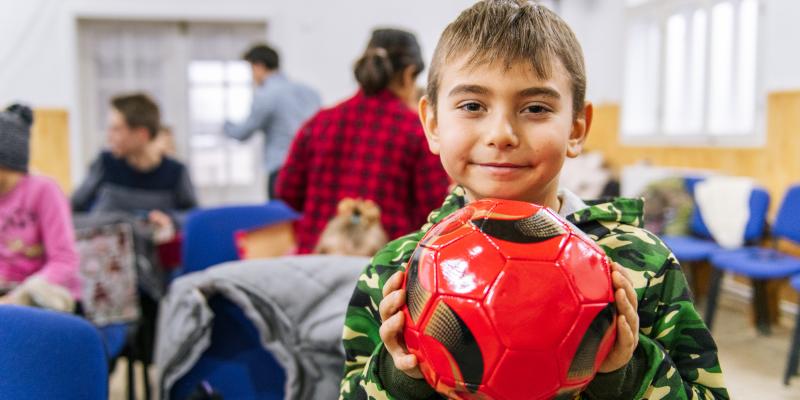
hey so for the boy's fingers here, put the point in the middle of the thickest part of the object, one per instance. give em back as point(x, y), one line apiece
point(620, 282)
point(391, 304)
point(406, 362)
point(618, 267)
point(393, 283)
point(390, 334)
point(624, 334)
point(628, 284)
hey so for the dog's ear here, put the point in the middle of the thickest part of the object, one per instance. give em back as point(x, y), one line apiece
point(370, 211)
point(346, 207)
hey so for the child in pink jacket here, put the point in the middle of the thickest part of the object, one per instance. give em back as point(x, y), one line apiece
point(38, 260)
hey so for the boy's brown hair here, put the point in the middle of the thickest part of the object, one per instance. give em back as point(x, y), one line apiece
point(511, 31)
point(139, 111)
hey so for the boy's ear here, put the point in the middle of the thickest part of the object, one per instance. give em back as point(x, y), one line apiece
point(427, 116)
point(580, 130)
point(142, 133)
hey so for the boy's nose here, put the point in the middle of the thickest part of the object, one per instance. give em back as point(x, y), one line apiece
point(502, 135)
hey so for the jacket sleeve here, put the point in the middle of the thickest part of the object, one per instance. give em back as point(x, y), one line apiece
point(61, 257)
point(84, 196)
point(184, 192)
point(261, 113)
point(681, 356)
point(369, 371)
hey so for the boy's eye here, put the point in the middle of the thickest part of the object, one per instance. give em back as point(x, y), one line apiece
point(471, 107)
point(536, 109)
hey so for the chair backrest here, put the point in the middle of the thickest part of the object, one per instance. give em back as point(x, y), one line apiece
point(756, 222)
point(787, 222)
point(50, 355)
point(209, 233)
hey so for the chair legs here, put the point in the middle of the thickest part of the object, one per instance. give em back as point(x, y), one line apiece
point(713, 296)
point(794, 353)
point(761, 306)
point(131, 372)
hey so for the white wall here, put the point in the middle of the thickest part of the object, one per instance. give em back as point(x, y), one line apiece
point(319, 40)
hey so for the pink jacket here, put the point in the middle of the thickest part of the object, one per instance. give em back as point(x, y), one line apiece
point(36, 235)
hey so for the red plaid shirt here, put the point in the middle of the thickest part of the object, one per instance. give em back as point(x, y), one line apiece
point(371, 147)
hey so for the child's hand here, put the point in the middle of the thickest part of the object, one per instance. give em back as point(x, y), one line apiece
point(392, 326)
point(164, 229)
point(627, 321)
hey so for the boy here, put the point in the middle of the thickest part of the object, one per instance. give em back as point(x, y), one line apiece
point(505, 106)
point(134, 175)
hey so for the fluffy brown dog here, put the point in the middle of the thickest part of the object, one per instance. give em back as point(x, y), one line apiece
point(355, 230)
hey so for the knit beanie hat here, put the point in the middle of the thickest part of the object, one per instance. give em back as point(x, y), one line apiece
point(15, 133)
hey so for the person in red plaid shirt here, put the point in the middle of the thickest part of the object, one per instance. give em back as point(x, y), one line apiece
point(370, 146)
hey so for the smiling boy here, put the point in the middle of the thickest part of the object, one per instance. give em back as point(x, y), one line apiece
point(505, 106)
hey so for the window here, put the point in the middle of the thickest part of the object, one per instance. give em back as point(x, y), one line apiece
point(219, 91)
point(690, 71)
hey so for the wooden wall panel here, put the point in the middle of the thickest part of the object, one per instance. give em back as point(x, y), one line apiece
point(50, 148)
point(775, 166)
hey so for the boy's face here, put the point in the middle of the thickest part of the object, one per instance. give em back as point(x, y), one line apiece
point(504, 133)
point(122, 139)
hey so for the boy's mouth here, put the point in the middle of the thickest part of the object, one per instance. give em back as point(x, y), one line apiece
point(501, 169)
point(502, 165)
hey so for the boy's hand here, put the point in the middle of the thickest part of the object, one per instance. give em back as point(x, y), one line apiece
point(164, 229)
point(391, 330)
point(627, 321)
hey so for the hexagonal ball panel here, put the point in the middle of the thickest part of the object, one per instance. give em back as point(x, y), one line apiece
point(469, 267)
point(588, 270)
point(532, 305)
point(526, 375)
point(451, 228)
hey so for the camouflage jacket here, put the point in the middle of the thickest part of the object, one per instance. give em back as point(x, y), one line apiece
point(680, 354)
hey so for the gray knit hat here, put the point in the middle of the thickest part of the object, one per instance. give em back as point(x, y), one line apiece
point(15, 133)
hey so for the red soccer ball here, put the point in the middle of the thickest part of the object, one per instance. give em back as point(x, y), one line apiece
point(507, 300)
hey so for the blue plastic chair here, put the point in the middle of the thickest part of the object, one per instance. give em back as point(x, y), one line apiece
point(208, 233)
point(699, 246)
point(758, 263)
point(235, 363)
point(794, 350)
point(50, 355)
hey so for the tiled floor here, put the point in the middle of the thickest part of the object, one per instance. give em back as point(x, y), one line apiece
point(753, 365)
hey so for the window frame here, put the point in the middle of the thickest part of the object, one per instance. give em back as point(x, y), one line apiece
point(658, 12)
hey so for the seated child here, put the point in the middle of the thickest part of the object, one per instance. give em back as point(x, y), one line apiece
point(505, 106)
point(38, 260)
point(135, 175)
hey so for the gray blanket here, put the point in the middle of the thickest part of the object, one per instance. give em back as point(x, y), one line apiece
point(296, 303)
